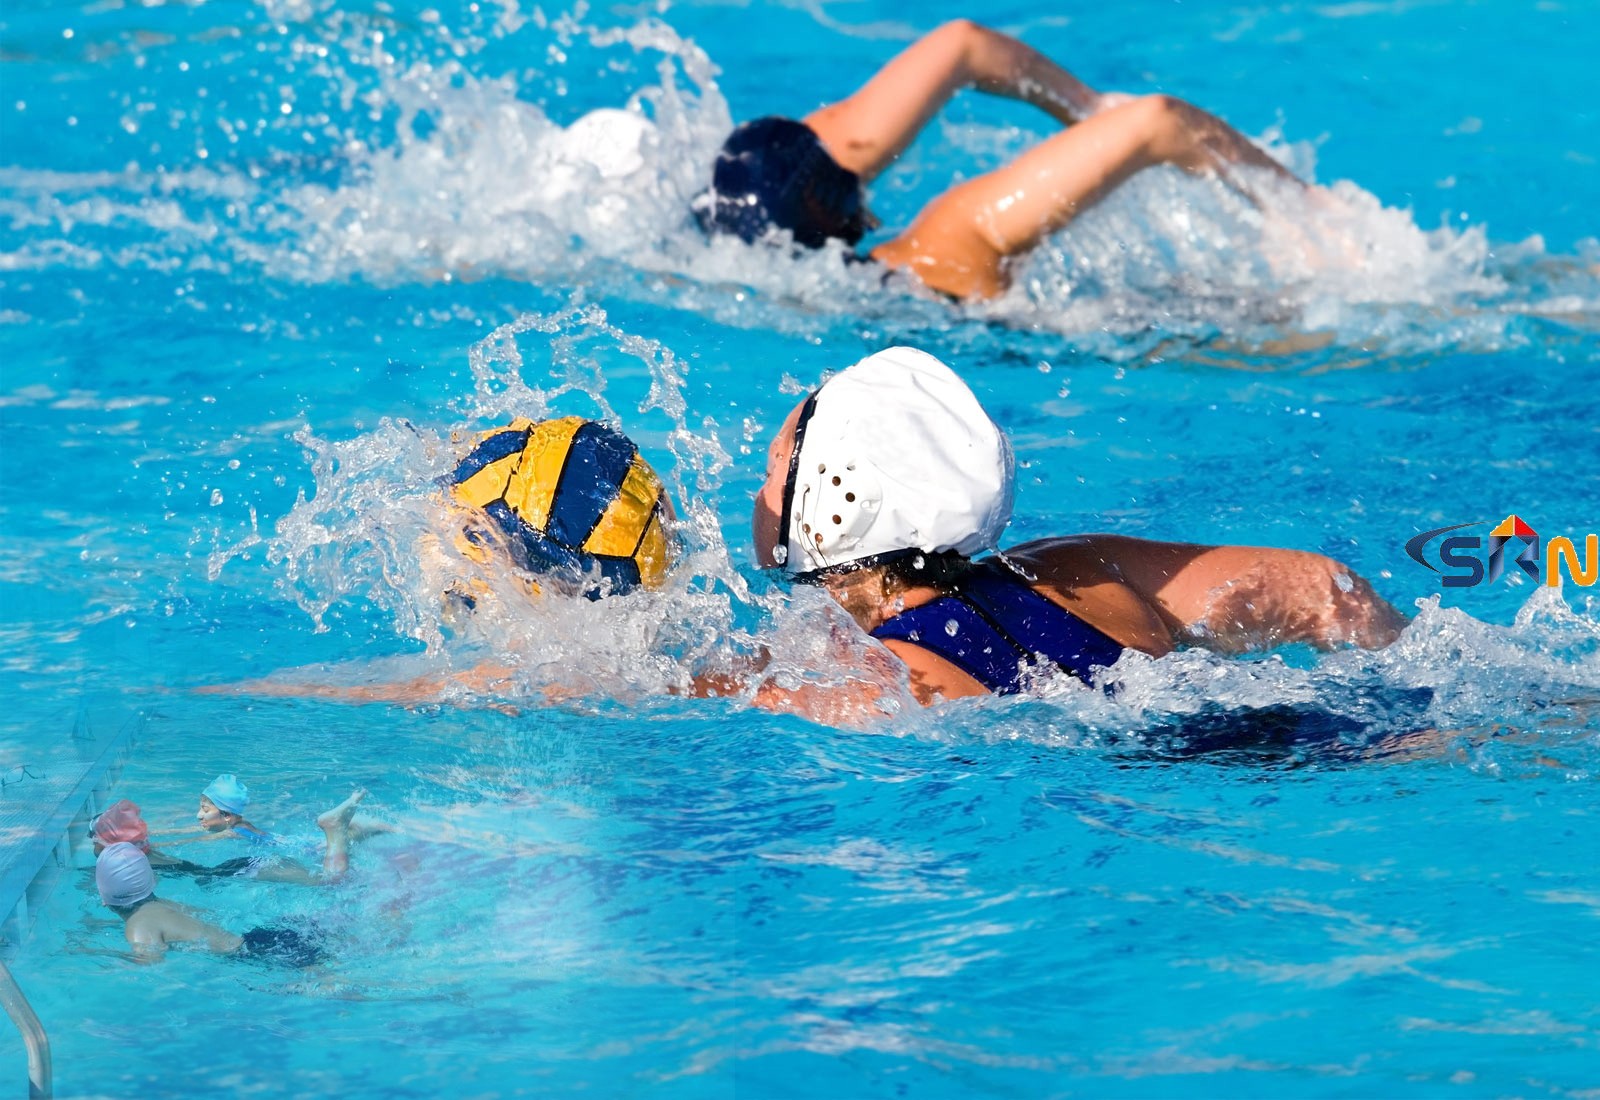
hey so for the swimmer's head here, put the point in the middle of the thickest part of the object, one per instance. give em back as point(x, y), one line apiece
point(222, 803)
point(891, 457)
point(120, 823)
point(123, 875)
point(568, 500)
point(775, 173)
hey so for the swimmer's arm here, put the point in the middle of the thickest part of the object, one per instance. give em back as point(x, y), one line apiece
point(867, 131)
point(149, 952)
point(1239, 598)
point(1000, 65)
point(932, 677)
point(158, 858)
point(148, 946)
point(485, 680)
point(203, 837)
point(855, 701)
point(1016, 206)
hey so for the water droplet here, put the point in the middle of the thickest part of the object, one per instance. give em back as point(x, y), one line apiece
point(951, 627)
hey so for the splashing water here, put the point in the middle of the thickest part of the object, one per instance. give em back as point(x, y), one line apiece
point(428, 168)
point(377, 529)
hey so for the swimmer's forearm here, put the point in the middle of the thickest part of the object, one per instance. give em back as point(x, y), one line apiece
point(1000, 65)
point(484, 679)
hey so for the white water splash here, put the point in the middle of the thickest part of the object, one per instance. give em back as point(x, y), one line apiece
point(462, 177)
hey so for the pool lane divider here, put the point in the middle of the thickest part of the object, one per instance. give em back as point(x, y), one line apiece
point(46, 809)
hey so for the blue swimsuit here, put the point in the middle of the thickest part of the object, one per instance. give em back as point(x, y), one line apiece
point(997, 629)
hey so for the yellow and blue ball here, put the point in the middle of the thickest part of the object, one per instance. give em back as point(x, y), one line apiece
point(569, 498)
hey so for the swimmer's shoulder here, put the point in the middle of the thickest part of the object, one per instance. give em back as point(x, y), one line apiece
point(931, 677)
point(154, 925)
point(1097, 578)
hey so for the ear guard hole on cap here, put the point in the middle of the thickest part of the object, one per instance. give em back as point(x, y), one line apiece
point(834, 514)
point(909, 422)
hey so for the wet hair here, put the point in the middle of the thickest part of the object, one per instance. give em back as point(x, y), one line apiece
point(943, 569)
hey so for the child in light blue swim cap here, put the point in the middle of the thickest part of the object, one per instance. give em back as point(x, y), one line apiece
point(221, 813)
point(222, 806)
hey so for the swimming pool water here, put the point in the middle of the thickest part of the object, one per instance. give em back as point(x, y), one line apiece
point(259, 263)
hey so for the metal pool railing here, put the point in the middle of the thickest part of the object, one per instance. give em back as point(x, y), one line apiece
point(46, 805)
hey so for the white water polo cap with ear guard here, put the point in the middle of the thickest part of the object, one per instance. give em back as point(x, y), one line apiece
point(894, 454)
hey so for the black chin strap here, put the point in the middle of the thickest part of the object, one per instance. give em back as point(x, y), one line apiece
point(785, 517)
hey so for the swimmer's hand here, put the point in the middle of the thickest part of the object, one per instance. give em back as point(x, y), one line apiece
point(857, 702)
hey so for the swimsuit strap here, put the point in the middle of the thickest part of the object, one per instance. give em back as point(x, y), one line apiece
point(126, 911)
point(254, 836)
point(995, 627)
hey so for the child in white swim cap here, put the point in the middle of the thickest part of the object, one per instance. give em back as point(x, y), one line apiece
point(127, 885)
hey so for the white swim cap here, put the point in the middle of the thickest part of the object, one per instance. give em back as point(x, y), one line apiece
point(611, 141)
point(896, 455)
point(123, 876)
point(591, 160)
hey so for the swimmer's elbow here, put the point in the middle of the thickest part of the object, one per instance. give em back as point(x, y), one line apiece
point(968, 41)
point(148, 949)
point(1357, 615)
point(963, 31)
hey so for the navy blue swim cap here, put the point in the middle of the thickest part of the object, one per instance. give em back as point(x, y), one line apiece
point(775, 172)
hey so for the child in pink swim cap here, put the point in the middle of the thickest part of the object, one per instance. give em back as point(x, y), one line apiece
point(120, 822)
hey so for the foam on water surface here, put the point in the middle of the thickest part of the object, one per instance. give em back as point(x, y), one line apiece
point(409, 153)
point(266, 268)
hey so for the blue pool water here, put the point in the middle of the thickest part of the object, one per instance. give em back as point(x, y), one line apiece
point(258, 264)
